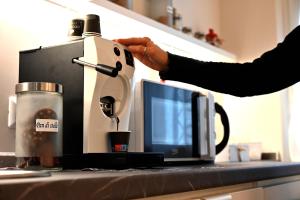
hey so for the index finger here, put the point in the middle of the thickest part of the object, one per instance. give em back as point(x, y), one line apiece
point(134, 41)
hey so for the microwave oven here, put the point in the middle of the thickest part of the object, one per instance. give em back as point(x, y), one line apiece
point(176, 121)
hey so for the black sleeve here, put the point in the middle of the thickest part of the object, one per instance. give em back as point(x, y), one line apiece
point(273, 71)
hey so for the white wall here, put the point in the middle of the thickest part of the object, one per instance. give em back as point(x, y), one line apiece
point(256, 119)
point(250, 29)
point(24, 25)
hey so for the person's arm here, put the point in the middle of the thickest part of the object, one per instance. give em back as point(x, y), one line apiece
point(273, 71)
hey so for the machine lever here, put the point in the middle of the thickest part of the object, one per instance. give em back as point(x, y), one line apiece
point(104, 69)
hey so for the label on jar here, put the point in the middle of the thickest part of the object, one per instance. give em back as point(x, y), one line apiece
point(46, 125)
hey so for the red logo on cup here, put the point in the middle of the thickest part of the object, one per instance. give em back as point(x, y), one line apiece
point(120, 147)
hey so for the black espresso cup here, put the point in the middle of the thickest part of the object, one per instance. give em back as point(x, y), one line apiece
point(119, 140)
point(92, 25)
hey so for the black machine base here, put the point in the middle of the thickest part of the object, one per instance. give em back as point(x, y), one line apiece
point(189, 163)
point(122, 160)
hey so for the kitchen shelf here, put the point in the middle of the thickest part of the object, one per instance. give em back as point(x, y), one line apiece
point(119, 22)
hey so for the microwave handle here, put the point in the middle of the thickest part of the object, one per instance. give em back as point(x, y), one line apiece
point(224, 119)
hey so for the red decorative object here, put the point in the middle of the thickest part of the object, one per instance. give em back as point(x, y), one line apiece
point(213, 38)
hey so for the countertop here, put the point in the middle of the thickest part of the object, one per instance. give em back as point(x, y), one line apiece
point(138, 183)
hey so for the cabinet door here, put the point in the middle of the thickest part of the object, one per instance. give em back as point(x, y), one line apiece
point(256, 193)
point(283, 191)
point(251, 194)
point(219, 197)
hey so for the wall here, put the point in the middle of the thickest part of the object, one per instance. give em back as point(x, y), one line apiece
point(31, 24)
point(250, 28)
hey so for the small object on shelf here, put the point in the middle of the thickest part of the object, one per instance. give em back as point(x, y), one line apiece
point(124, 3)
point(186, 30)
point(213, 38)
point(269, 156)
point(199, 35)
point(163, 19)
point(243, 151)
point(177, 20)
point(233, 153)
point(219, 42)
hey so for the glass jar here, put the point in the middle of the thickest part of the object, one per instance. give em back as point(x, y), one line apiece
point(39, 123)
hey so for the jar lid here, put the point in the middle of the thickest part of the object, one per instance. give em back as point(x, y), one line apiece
point(39, 86)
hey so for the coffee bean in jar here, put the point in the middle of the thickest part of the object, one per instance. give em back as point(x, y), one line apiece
point(39, 125)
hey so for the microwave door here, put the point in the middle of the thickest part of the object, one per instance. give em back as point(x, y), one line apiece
point(167, 121)
point(211, 134)
point(200, 126)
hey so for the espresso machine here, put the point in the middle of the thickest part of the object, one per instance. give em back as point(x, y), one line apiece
point(97, 76)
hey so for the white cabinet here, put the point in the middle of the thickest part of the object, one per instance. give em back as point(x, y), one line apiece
point(289, 190)
point(247, 191)
point(285, 188)
point(219, 197)
point(251, 194)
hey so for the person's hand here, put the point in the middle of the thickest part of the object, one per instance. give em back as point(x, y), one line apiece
point(147, 52)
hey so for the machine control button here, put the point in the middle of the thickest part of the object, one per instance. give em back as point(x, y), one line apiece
point(129, 58)
point(118, 65)
point(117, 51)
